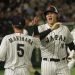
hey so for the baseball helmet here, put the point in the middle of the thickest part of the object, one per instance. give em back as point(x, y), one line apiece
point(18, 21)
point(52, 9)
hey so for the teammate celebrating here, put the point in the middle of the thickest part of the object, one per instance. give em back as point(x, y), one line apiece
point(17, 48)
point(54, 55)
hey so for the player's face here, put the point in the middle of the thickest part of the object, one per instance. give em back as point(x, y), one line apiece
point(51, 18)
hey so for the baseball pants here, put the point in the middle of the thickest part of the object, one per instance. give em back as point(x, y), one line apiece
point(54, 68)
point(17, 71)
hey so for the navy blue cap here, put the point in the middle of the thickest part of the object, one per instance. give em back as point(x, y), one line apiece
point(18, 21)
point(52, 9)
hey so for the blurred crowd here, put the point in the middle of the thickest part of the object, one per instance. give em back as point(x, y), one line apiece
point(32, 11)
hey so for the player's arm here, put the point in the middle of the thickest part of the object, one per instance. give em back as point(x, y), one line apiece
point(43, 34)
point(3, 48)
point(36, 44)
point(71, 46)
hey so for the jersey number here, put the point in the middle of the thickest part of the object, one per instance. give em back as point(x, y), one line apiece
point(20, 50)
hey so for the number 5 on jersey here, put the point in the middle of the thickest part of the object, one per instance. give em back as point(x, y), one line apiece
point(20, 50)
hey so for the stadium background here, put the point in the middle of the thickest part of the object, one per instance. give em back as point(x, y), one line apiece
point(29, 9)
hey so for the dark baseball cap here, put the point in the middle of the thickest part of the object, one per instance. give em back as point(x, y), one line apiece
point(18, 21)
point(52, 9)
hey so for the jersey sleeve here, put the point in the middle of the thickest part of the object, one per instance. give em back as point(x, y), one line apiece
point(41, 34)
point(3, 48)
point(69, 37)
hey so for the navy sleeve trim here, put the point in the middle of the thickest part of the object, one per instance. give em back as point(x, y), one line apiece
point(43, 34)
point(71, 46)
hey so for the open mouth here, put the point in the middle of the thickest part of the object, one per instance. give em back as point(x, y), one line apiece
point(50, 18)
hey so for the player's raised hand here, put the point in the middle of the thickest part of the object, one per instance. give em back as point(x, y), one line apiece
point(55, 26)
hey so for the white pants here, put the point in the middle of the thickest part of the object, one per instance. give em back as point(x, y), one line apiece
point(71, 63)
point(54, 68)
point(17, 71)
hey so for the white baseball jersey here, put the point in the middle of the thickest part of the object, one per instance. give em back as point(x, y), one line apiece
point(54, 48)
point(55, 41)
point(16, 49)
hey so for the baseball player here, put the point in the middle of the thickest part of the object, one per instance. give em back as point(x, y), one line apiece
point(17, 48)
point(53, 51)
point(71, 61)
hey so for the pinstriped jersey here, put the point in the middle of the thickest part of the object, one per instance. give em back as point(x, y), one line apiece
point(54, 42)
point(17, 48)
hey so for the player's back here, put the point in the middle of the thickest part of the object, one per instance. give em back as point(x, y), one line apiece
point(18, 51)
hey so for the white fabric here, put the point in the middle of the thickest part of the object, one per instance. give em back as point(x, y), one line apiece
point(55, 41)
point(17, 71)
point(54, 47)
point(54, 68)
point(17, 49)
